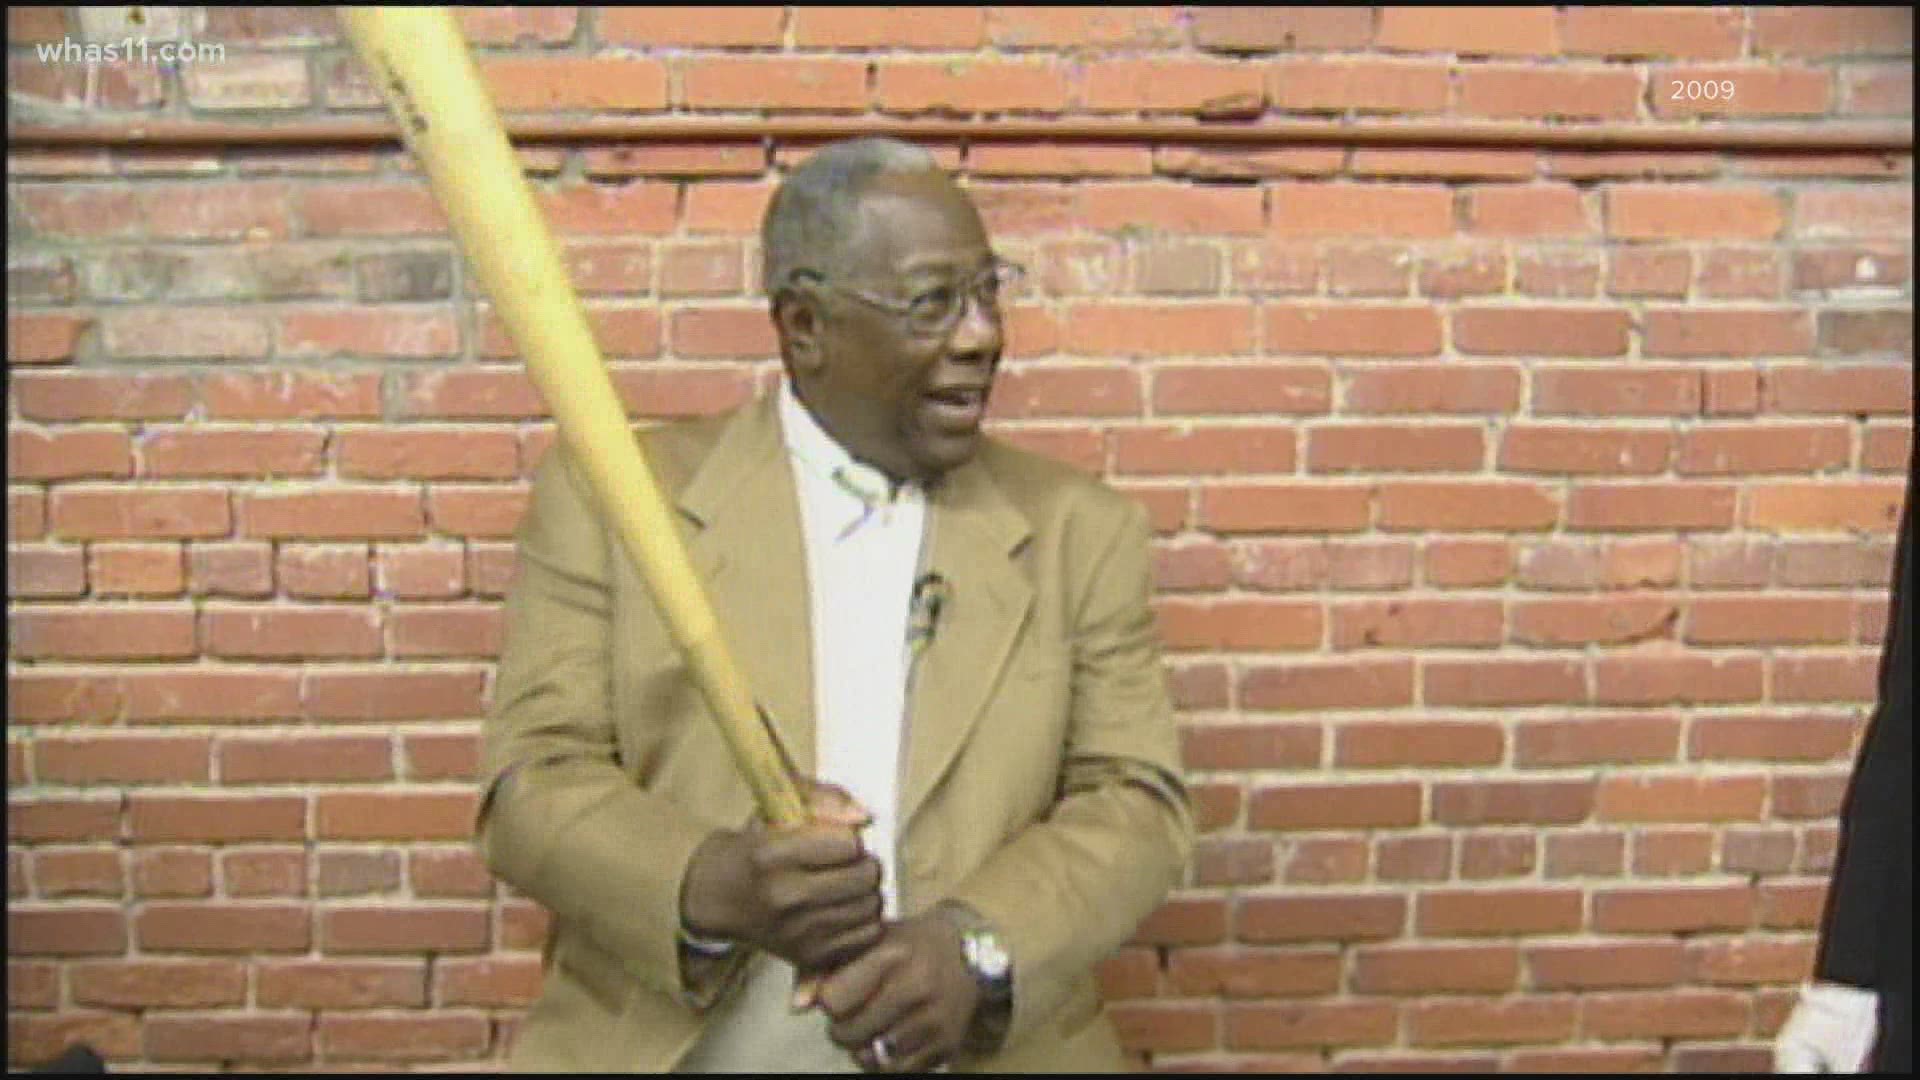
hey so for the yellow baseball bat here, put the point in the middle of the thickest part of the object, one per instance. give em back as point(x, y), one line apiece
point(421, 62)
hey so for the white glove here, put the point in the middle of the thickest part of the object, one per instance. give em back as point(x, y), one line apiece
point(1831, 1030)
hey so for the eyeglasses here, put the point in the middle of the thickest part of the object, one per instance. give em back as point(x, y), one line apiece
point(935, 311)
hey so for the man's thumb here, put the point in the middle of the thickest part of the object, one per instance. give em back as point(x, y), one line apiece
point(831, 805)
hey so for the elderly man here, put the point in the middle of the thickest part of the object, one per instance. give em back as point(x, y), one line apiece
point(951, 639)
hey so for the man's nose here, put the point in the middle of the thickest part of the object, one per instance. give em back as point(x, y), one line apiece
point(979, 333)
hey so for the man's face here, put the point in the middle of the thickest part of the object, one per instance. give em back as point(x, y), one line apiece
point(907, 402)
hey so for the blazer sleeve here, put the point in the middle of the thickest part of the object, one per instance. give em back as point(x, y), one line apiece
point(1068, 890)
point(1874, 859)
point(560, 820)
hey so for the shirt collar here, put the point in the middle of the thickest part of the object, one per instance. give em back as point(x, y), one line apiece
point(821, 455)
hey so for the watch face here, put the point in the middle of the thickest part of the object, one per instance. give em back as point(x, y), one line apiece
point(985, 956)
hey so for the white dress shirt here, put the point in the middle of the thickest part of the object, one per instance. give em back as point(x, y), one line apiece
point(863, 537)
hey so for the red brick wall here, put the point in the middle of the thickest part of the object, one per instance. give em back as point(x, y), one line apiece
point(1524, 513)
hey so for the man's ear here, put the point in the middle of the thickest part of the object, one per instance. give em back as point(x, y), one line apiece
point(796, 317)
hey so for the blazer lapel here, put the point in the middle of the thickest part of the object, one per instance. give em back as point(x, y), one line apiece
point(972, 532)
point(748, 549)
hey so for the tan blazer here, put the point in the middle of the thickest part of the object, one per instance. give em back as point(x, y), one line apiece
point(1041, 780)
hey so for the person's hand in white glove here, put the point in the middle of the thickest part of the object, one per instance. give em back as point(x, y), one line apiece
point(1831, 1030)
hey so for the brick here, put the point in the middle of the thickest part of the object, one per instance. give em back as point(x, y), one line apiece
point(1413, 858)
point(299, 759)
point(287, 633)
point(1468, 563)
point(775, 83)
point(45, 572)
point(1043, 27)
point(448, 1036)
point(1542, 331)
point(68, 455)
point(146, 632)
point(1886, 449)
point(82, 212)
point(339, 984)
point(451, 873)
point(1427, 969)
point(1558, 92)
point(1497, 855)
point(223, 927)
point(1874, 90)
point(1749, 962)
point(1688, 212)
point(403, 928)
point(1466, 505)
point(1401, 623)
point(1290, 1025)
point(82, 872)
point(349, 872)
point(1352, 330)
point(1335, 806)
point(476, 511)
point(336, 514)
point(1376, 211)
point(1165, 1026)
point(1838, 387)
point(1250, 746)
point(1672, 852)
point(1320, 918)
point(122, 758)
point(1497, 912)
point(967, 87)
point(1693, 333)
point(1670, 1014)
point(1205, 330)
point(1636, 272)
point(185, 334)
point(394, 816)
point(1838, 269)
point(211, 696)
point(1480, 1022)
point(291, 395)
point(1584, 854)
point(535, 83)
point(1336, 84)
point(1736, 620)
point(1609, 964)
point(435, 455)
point(444, 632)
point(1678, 33)
point(1823, 506)
point(195, 452)
point(1554, 449)
point(1239, 625)
point(115, 1036)
point(1758, 91)
point(487, 983)
point(1529, 210)
point(1131, 208)
point(1651, 391)
point(1658, 506)
point(1350, 683)
point(1394, 448)
point(264, 872)
point(87, 396)
point(70, 929)
point(217, 818)
point(1770, 448)
point(1287, 29)
point(1858, 211)
point(44, 339)
point(1854, 333)
point(1253, 973)
point(1454, 273)
point(1468, 31)
point(364, 208)
point(420, 571)
point(1831, 32)
point(1689, 799)
point(667, 26)
point(35, 985)
point(1442, 388)
point(41, 820)
point(1519, 802)
point(1184, 921)
point(321, 571)
point(392, 694)
point(1679, 679)
point(1327, 861)
point(1803, 797)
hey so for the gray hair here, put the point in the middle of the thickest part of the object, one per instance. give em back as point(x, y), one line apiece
point(812, 212)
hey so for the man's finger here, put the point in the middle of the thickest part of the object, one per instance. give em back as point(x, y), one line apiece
point(831, 805)
point(845, 991)
point(807, 847)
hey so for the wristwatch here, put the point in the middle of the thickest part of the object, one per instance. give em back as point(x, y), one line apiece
point(991, 966)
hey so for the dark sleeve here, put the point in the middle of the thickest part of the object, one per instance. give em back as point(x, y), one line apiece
point(1868, 924)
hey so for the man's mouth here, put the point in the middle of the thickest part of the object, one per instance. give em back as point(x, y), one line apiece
point(957, 408)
